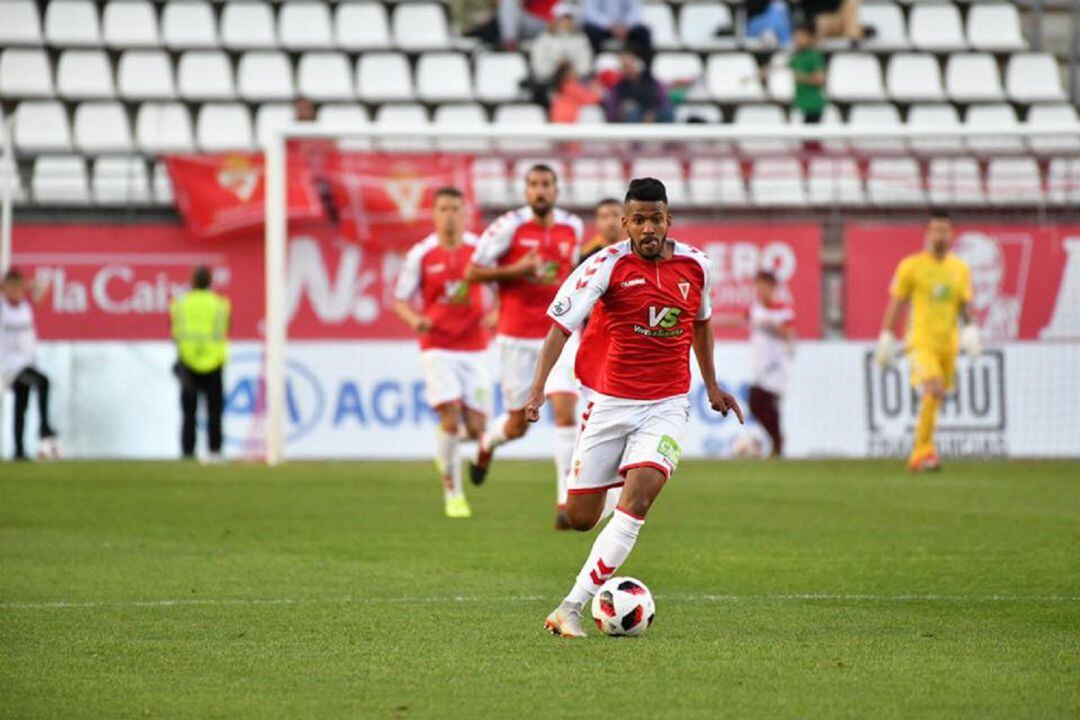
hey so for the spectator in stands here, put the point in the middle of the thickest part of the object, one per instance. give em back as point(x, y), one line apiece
point(769, 21)
point(808, 65)
point(637, 97)
point(570, 94)
point(835, 19)
point(200, 327)
point(563, 41)
point(523, 20)
point(476, 19)
point(18, 345)
point(618, 20)
point(303, 110)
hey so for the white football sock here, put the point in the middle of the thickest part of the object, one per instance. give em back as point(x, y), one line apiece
point(565, 439)
point(495, 435)
point(446, 459)
point(610, 550)
point(610, 501)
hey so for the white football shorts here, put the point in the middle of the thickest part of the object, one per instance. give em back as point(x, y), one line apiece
point(457, 376)
point(618, 435)
point(518, 358)
point(562, 381)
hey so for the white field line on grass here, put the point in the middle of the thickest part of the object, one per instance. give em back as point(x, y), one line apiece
point(793, 597)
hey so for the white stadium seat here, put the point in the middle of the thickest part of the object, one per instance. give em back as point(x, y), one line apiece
point(1014, 181)
point(163, 127)
point(21, 25)
point(698, 23)
point(1059, 116)
point(265, 75)
point(247, 26)
point(834, 181)
point(420, 26)
point(102, 127)
point(1033, 77)
point(716, 181)
point(205, 75)
point(705, 111)
point(270, 117)
point(120, 181)
point(145, 74)
point(667, 170)
point(382, 76)
point(72, 23)
point(777, 182)
point(661, 23)
point(993, 117)
point(305, 26)
point(936, 27)
point(224, 126)
point(343, 114)
point(1063, 181)
point(591, 115)
point(939, 120)
point(854, 77)
point(914, 77)
point(499, 76)
point(973, 77)
point(879, 117)
point(733, 77)
point(84, 74)
point(592, 179)
point(25, 73)
point(890, 32)
point(188, 25)
point(403, 116)
point(670, 67)
point(60, 180)
point(325, 76)
point(463, 116)
point(780, 84)
point(520, 114)
point(362, 26)
point(955, 181)
point(130, 23)
point(443, 76)
point(994, 26)
point(894, 182)
point(757, 117)
point(41, 126)
point(162, 184)
point(490, 182)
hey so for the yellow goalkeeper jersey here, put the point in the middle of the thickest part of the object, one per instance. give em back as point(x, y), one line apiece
point(936, 289)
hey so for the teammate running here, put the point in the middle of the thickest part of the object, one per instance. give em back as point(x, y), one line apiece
point(452, 337)
point(937, 285)
point(529, 252)
point(652, 295)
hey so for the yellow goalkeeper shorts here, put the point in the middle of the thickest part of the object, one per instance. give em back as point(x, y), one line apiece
point(926, 364)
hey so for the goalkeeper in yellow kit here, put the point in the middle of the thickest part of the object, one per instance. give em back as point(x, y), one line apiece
point(937, 286)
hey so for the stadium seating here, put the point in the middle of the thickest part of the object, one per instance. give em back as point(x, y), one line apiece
point(325, 76)
point(84, 74)
point(305, 26)
point(25, 74)
point(120, 181)
point(131, 23)
point(21, 25)
point(834, 181)
point(914, 77)
point(223, 126)
point(955, 181)
point(246, 26)
point(72, 23)
point(187, 25)
point(102, 127)
point(60, 180)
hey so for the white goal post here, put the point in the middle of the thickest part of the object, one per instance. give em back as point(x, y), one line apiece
point(276, 231)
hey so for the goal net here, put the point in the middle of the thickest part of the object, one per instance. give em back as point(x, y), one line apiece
point(829, 209)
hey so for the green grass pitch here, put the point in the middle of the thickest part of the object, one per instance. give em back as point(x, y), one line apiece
point(801, 590)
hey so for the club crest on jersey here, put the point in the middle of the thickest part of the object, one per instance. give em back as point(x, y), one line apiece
point(684, 288)
point(662, 322)
point(561, 307)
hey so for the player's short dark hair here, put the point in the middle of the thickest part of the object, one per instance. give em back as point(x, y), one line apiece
point(938, 213)
point(201, 277)
point(13, 275)
point(646, 189)
point(450, 192)
point(765, 275)
point(545, 168)
point(608, 201)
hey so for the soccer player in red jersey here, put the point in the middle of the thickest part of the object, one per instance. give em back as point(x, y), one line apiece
point(452, 336)
point(528, 252)
point(652, 295)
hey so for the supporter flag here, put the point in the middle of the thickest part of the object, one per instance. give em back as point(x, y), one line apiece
point(224, 194)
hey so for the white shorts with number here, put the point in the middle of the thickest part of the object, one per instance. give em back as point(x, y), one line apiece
point(456, 376)
point(517, 363)
point(618, 435)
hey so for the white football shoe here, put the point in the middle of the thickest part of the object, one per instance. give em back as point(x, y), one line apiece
point(565, 621)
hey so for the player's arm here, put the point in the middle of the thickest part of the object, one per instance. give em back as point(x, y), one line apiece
point(970, 342)
point(703, 343)
point(899, 292)
point(549, 355)
point(530, 265)
point(408, 283)
point(492, 247)
point(418, 322)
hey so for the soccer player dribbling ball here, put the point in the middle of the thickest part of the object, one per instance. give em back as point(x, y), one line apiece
point(651, 293)
point(528, 253)
point(937, 286)
point(452, 336)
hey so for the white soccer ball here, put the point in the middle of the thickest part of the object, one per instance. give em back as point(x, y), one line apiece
point(748, 445)
point(623, 606)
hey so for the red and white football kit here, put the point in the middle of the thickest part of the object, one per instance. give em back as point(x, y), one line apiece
point(636, 359)
point(523, 302)
point(451, 352)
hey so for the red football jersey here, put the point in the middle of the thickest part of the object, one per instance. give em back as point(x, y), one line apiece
point(644, 312)
point(454, 306)
point(522, 303)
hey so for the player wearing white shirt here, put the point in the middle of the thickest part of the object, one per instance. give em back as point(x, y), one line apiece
point(772, 329)
point(18, 347)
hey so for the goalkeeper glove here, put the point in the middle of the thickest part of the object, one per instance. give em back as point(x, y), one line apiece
point(886, 349)
point(970, 342)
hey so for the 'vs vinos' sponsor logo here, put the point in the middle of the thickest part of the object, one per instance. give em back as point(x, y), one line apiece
point(245, 393)
point(971, 421)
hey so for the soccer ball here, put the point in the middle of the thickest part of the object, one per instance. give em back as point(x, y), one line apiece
point(747, 445)
point(623, 606)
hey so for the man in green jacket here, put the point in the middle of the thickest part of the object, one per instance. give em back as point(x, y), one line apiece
point(200, 327)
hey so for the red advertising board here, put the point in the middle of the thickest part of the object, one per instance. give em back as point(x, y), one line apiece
point(1025, 278)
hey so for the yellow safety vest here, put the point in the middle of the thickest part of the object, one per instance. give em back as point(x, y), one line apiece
point(200, 326)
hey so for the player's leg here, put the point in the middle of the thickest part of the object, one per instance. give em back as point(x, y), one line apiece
point(22, 402)
point(517, 361)
point(564, 408)
point(444, 388)
point(927, 375)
